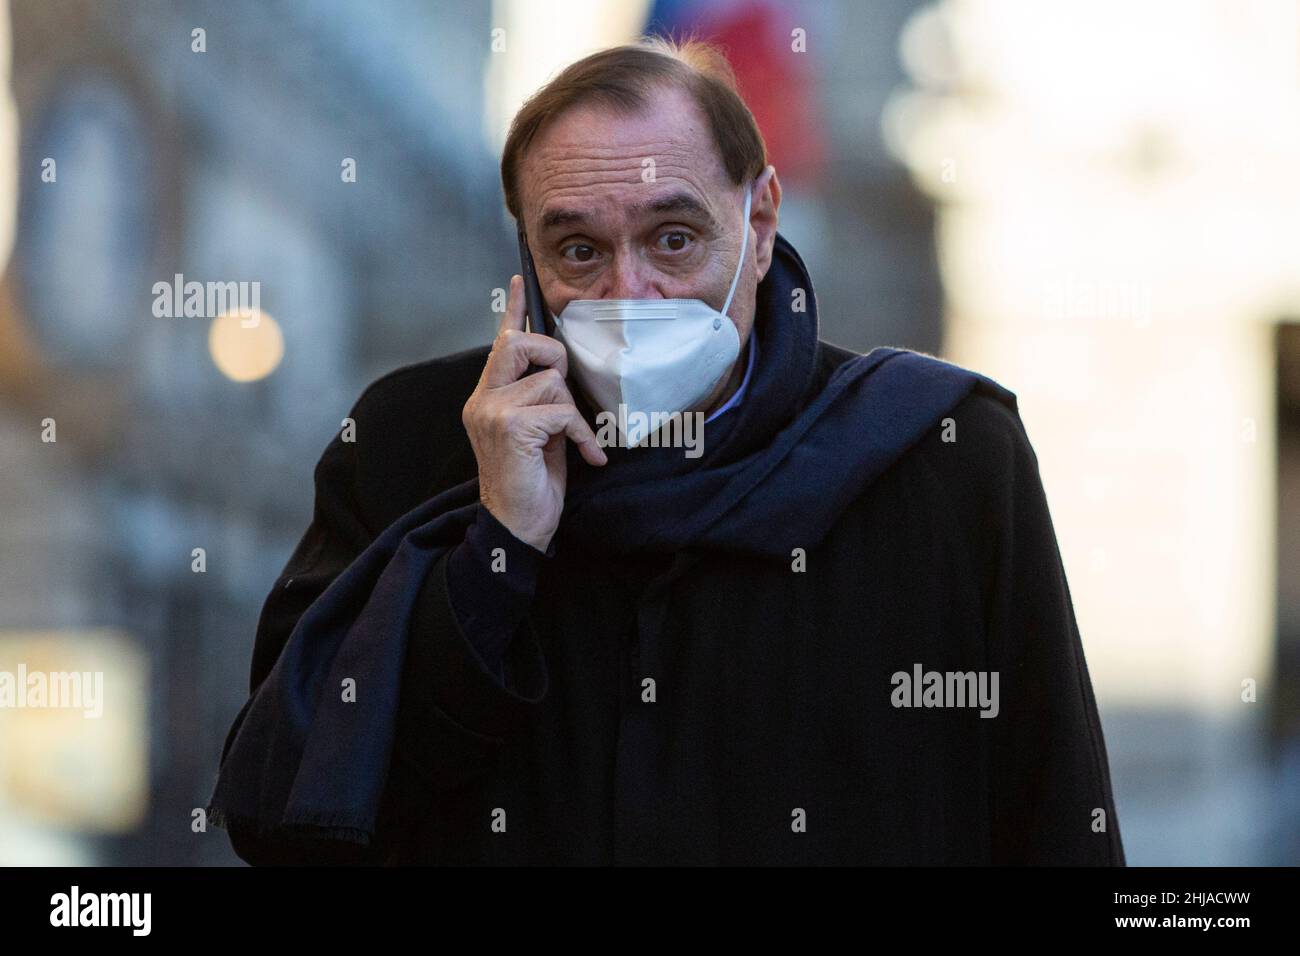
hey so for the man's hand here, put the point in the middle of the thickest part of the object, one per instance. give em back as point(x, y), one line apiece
point(517, 427)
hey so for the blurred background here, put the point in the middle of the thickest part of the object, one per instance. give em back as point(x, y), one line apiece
point(1095, 203)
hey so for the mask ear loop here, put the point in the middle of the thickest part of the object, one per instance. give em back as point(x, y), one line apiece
point(744, 245)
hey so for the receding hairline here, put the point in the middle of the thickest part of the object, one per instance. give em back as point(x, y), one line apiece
point(623, 80)
point(676, 199)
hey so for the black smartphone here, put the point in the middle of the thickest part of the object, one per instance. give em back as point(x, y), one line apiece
point(534, 304)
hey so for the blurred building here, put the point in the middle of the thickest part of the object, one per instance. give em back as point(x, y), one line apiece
point(1117, 236)
point(225, 163)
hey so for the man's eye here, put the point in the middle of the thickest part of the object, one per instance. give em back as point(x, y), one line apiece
point(581, 252)
point(675, 241)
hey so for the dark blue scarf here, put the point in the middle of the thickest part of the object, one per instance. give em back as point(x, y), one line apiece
point(789, 456)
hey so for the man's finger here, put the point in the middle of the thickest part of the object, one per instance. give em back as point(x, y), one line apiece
point(541, 388)
point(579, 431)
point(513, 351)
point(554, 419)
point(514, 315)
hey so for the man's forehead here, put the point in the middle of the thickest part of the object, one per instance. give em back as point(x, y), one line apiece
point(611, 207)
point(594, 161)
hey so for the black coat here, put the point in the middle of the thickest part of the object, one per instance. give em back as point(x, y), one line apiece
point(772, 731)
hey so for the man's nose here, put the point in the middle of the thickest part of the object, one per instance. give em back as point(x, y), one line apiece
point(631, 277)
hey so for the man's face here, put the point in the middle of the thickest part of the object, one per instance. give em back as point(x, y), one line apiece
point(640, 207)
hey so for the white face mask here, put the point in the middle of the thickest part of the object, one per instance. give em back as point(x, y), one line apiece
point(654, 356)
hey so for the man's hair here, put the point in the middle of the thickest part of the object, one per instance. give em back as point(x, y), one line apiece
point(623, 78)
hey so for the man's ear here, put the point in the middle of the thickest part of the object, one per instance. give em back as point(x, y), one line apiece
point(763, 216)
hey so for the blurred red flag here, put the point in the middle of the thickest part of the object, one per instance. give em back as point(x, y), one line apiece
point(760, 42)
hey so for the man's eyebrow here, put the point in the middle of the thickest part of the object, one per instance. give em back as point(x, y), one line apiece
point(676, 202)
point(562, 217)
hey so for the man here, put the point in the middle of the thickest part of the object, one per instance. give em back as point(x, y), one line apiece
point(842, 634)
